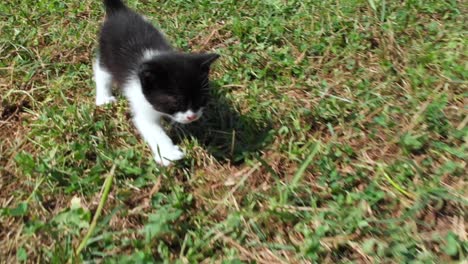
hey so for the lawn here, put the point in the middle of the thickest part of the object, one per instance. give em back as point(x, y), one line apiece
point(337, 133)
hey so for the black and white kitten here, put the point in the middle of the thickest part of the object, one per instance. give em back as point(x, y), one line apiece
point(156, 80)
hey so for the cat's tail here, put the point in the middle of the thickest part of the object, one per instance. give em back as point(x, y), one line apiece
point(113, 6)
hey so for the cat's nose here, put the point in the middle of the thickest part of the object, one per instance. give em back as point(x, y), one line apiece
point(192, 117)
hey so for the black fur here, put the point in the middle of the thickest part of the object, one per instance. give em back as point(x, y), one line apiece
point(112, 6)
point(171, 81)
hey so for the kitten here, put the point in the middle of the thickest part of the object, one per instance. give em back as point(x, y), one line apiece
point(156, 80)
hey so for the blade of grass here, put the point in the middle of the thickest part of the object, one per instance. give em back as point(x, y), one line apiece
point(393, 183)
point(300, 172)
point(105, 193)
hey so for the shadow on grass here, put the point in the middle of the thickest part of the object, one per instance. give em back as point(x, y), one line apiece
point(224, 132)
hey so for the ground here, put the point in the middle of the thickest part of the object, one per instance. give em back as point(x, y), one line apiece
point(336, 133)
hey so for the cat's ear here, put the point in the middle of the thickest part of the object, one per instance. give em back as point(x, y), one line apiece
point(144, 73)
point(148, 72)
point(207, 59)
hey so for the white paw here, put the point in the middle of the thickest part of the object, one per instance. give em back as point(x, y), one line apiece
point(169, 154)
point(105, 100)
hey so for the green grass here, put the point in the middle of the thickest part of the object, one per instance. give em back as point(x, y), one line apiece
point(336, 134)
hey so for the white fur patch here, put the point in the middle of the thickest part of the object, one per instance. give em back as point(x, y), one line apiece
point(147, 121)
point(103, 81)
point(150, 54)
point(187, 116)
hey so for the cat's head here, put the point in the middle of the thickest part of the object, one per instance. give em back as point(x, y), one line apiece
point(177, 84)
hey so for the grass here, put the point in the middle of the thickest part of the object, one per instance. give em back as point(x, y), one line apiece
point(336, 134)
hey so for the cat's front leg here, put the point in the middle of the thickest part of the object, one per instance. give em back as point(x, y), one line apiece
point(161, 145)
point(103, 81)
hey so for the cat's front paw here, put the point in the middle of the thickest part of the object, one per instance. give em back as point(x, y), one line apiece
point(102, 100)
point(166, 156)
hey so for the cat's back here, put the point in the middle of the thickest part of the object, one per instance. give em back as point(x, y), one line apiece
point(124, 38)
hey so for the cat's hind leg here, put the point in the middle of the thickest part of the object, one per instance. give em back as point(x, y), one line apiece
point(103, 81)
